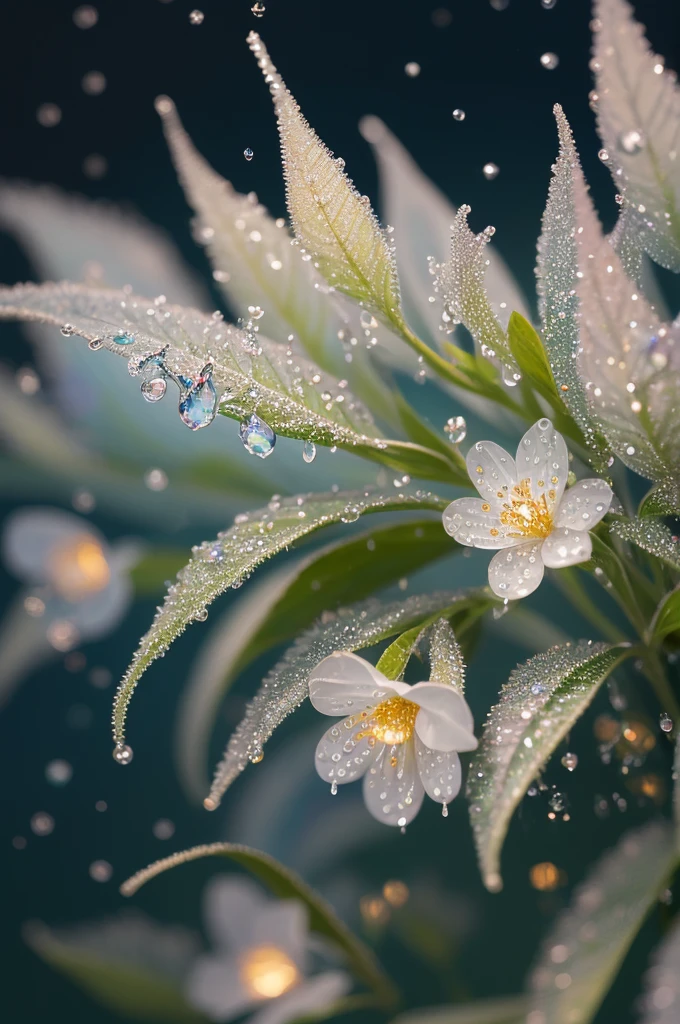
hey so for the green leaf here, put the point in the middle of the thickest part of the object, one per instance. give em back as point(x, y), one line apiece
point(393, 661)
point(114, 980)
point(506, 1010)
point(662, 500)
point(285, 687)
point(285, 885)
point(446, 658)
point(538, 705)
point(595, 933)
point(155, 568)
point(422, 433)
point(251, 374)
point(335, 226)
point(527, 348)
point(281, 605)
point(229, 560)
point(652, 536)
point(667, 617)
point(659, 1003)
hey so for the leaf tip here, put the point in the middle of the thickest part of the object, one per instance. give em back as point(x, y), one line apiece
point(493, 881)
point(164, 106)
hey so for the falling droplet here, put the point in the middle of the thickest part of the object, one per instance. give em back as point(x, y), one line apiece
point(570, 761)
point(665, 723)
point(100, 871)
point(154, 389)
point(334, 788)
point(196, 17)
point(631, 142)
point(500, 610)
point(412, 69)
point(549, 61)
point(458, 114)
point(490, 171)
point(445, 811)
point(248, 154)
point(258, 9)
point(58, 772)
point(122, 754)
point(124, 338)
point(456, 428)
point(198, 407)
point(309, 451)
point(257, 436)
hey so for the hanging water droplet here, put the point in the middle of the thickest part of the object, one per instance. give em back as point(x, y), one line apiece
point(490, 171)
point(334, 788)
point(68, 330)
point(631, 142)
point(248, 153)
point(445, 811)
point(557, 801)
point(95, 344)
point(456, 428)
point(122, 754)
point(257, 436)
point(201, 615)
point(256, 312)
point(603, 154)
point(124, 338)
point(549, 61)
point(196, 17)
point(368, 321)
point(258, 9)
point(256, 755)
point(570, 761)
point(665, 723)
point(198, 407)
point(309, 451)
point(154, 389)
point(500, 610)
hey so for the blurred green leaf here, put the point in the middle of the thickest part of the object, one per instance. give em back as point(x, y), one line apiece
point(506, 1010)
point(285, 885)
point(667, 617)
point(152, 572)
point(650, 535)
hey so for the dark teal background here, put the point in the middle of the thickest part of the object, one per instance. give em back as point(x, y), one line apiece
point(342, 60)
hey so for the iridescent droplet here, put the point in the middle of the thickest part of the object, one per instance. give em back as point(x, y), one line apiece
point(198, 407)
point(631, 142)
point(549, 61)
point(456, 428)
point(122, 754)
point(570, 761)
point(154, 389)
point(196, 17)
point(458, 114)
point(257, 436)
point(309, 451)
point(248, 153)
point(124, 338)
point(490, 171)
point(665, 723)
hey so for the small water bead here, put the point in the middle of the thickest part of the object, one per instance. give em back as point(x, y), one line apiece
point(58, 772)
point(100, 871)
point(163, 828)
point(198, 407)
point(258, 437)
point(124, 338)
point(48, 115)
point(42, 823)
point(456, 428)
point(256, 756)
point(122, 754)
point(549, 61)
point(248, 153)
point(412, 69)
point(94, 83)
point(85, 16)
point(156, 479)
point(258, 9)
point(445, 811)
point(665, 723)
point(490, 171)
point(95, 344)
point(334, 787)
point(196, 17)
point(201, 615)
point(458, 114)
point(603, 155)
point(309, 451)
point(570, 761)
point(68, 330)
point(631, 142)
point(153, 390)
point(548, 4)
point(255, 312)
point(368, 321)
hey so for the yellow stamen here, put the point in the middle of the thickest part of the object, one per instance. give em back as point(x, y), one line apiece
point(267, 972)
point(525, 515)
point(392, 721)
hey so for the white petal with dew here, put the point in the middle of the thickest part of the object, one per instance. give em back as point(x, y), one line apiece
point(566, 547)
point(345, 751)
point(440, 773)
point(492, 471)
point(542, 456)
point(516, 572)
point(476, 523)
point(444, 721)
point(392, 788)
point(344, 684)
point(584, 504)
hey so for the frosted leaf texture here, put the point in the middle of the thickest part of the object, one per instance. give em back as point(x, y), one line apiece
point(286, 686)
point(334, 224)
point(538, 706)
point(460, 282)
point(251, 374)
point(585, 949)
point(229, 560)
point(446, 658)
point(652, 536)
point(661, 999)
point(605, 342)
point(638, 118)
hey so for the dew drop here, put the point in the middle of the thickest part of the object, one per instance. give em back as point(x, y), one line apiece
point(256, 755)
point(257, 436)
point(58, 772)
point(122, 754)
point(490, 171)
point(445, 811)
point(631, 142)
point(153, 390)
point(458, 114)
point(198, 407)
point(570, 761)
point(258, 9)
point(334, 788)
point(665, 723)
point(248, 153)
point(196, 17)
point(42, 823)
point(549, 61)
point(100, 871)
point(456, 428)
point(309, 451)
point(412, 69)
point(95, 344)
point(124, 338)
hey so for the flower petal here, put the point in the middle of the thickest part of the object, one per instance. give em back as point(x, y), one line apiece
point(284, 924)
point(31, 534)
point(345, 751)
point(230, 905)
point(566, 547)
point(445, 721)
point(313, 996)
point(393, 791)
point(492, 471)
point(542, 456)
point(584, 504)
point(516, 572)
point(439, 772)
point(344, 684)
point(215, 988)
point(476, 524)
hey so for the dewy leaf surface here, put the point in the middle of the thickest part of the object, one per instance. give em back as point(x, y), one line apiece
point(229, 560)
point(446, 658)
point(638, 118)
point(333, 223)
point(251, 373)
point(606, 344)
point(652, 536)
point(538, 705)
point(591, 938)
point(285, 687)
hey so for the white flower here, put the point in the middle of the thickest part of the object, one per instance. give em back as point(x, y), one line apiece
point(261, 960)
point(525, 511)
point(80, 587)
point(402, 739)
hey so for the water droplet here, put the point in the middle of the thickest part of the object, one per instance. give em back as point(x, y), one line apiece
point(570, 761)
point(456, 428)
point(156, 479)
point(500, 610)
point(95, 344)
point(48, 115)
point(548, 4)
point(42, 823)
point(499, 5)
point(603, 154)
point(368, 321)
point(631, 142)
point(665, 723)
point(412, 69)
point(458, 114)
point(198, 407)
point(537, 689)
point(100, 870)
point(445, 811)
point(256, 312)
point(256, 755)
point(68, 330)
point(122, 754)
point(490, 171)
point(124, 338)
point(58, 772)
point(257, 436)
point(557, 801)
point(163, 828)
point(201, 615)
point(196, 17)
point(248, 154)
point(154, 389)
point(94, 83)
point(334, 788)
point(85, 16)
point(549, 61)
point(258, 9)
point(309, 451)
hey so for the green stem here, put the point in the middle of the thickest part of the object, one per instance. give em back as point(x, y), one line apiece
point(568, 582)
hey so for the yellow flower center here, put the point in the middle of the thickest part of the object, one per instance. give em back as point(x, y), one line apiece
point(393, 721)
point(268, 972)
point(525, 515)
point(78, 568)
